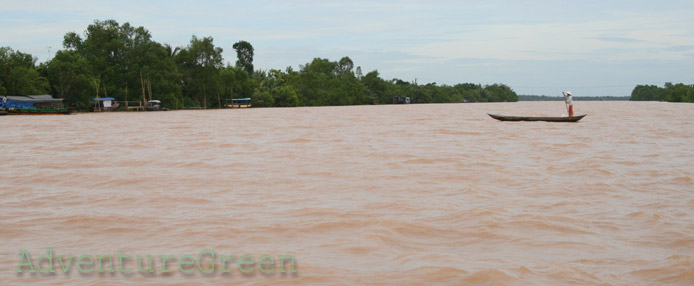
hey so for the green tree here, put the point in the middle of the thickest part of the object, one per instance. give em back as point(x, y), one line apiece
point(375, 88)
point(670, 92)
point(345, 66)
point(124, 63)
point(19, 74)
point(689, 96)
point(68, 75)
point(324, 82)
point(286, 96)
point(262, 98)
point(500, 92)
point(151, 65)
point(244, 54)
point(199, 64)
point(104, 48)
point(676, 92)
point(646, 93)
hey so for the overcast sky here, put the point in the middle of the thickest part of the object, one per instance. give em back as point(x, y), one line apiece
point(593, 48)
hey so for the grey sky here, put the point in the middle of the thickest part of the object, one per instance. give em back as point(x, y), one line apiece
point(592, 48)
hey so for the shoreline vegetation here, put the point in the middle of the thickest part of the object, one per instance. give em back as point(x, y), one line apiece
point(576, 98)
point(123, 62)
point(669, 92)
point(117, 61)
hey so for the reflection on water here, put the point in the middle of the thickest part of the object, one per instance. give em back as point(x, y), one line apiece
point(407, 194)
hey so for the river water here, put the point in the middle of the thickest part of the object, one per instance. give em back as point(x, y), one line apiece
point(378, 195)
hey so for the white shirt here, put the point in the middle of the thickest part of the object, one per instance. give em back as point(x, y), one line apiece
point(568, 99)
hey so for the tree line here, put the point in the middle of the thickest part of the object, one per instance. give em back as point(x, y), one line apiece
point(123, 62)
point(669, 92)
point(576, 98)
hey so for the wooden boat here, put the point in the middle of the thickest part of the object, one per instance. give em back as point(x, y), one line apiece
point(240, 103)
point(155, 105)
point(104, 104)
point(34, 105)
point(531, 118)
point(33, 111)
point(401, 100)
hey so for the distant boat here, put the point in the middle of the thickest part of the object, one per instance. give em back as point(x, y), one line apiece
point(239, 103)
point(35, 111)
point(401, 100)
point(35, 105)
point(105, 104)
point(536, 118)
point(155, 105)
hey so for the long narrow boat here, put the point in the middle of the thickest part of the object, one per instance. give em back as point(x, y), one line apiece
point(34, 105)
point(34, 111)
point(536, 118)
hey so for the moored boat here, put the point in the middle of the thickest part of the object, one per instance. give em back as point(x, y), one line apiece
point(155, 105)
point(35, 105)
point(104, 104)
point(22, 111)
point(240, 103)
point(537, 118)
point(401, 100)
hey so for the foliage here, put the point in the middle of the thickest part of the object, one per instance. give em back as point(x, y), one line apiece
point(670, 92)
point(68, 75)
point(119, 61)
point(122, 61)
point(286, 96)
point(19, 74)
point(200, 63)
point(235, 83)
point(244, 53)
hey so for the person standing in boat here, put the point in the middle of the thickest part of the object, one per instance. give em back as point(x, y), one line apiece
point(568, 99)
point(4, 102)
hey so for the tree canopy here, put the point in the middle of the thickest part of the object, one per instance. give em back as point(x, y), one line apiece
point(244, 53)
point(122, 61)
point(670, 92)
point(19, 74)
